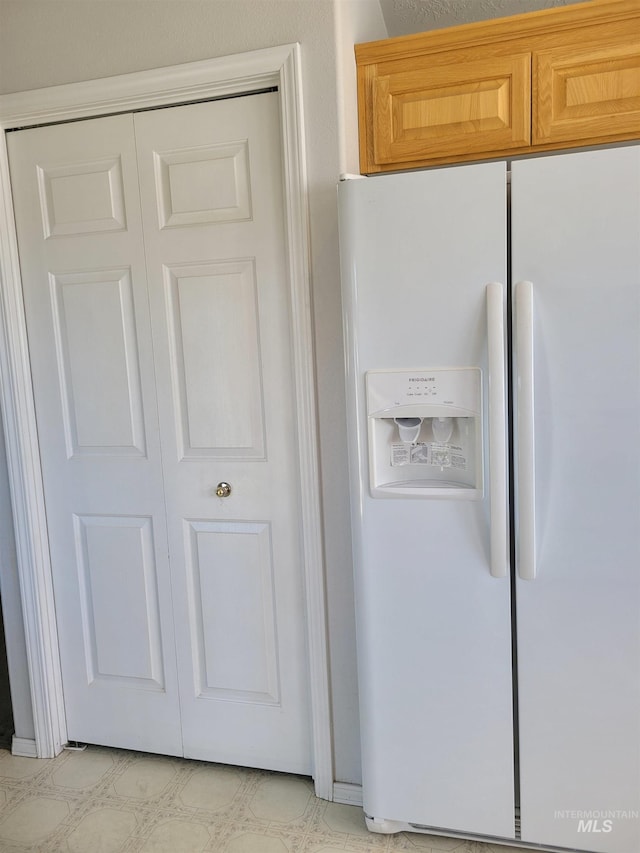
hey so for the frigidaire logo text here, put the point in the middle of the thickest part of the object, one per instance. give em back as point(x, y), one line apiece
point(422, 379)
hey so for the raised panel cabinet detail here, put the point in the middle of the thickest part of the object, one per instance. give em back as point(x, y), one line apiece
point(585, 93)
point(464, 106)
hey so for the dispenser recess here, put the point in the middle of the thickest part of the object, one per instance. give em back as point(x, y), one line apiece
point(425, 433)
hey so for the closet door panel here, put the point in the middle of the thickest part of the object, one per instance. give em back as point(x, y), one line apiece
point(85, 292)
point(212, 198)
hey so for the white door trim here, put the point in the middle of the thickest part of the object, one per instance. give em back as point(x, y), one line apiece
point(278, 66)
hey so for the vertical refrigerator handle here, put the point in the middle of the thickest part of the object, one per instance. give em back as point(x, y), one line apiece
point(497, 431)
point(526, 503)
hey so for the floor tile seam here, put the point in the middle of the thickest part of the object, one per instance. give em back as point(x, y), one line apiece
point(316, 827)
point(307, 814)
point(9, 780)
point(320, 836)
point(118, 777)
point(142, 832)
point(29, 796)
point(172, 790)
point(137, 841)
point(225, 813)
point(292, 843)
point(17, 848)
point(178, 763)
point(46, 842)
point(240, 797)
point(187, 773)
point(226, 823)
point(178, 811)
point(204, 820)
point(133, 846)
point(225, 830)
point(349, 847)
point(149, 816)
point(105, 782)
point(90, 805)
point(290, 826)
point(218, 816)
point(54, 765)
point(400, 842)
point(142, 820)
point(55, 791)
point(36, 777)
point(102, 803)
point(236, 808)
point(233, 830)
point(13, 791)
point(275, 827)
point(57, 838)
point(143, 826)
point(251, 784)
point(108, 787)
point(106, 777)
point(306, 823)
point(49, 839)
point(126, 765)
point(370, 844)
point(293, 839)
point(345, 839)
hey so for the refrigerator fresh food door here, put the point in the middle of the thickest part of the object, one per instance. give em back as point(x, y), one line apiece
point(434, 625)
point(576, 241)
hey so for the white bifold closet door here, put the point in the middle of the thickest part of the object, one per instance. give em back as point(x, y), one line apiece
point(152, 252)
point(576, 238)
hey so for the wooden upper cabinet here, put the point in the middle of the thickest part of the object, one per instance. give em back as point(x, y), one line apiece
point(589, 89)
point(563, 77)
point(461, 104)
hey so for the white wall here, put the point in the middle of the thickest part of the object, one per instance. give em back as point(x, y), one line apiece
point(48, 42)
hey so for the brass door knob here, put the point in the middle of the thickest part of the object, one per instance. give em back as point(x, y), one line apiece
point(223, 490)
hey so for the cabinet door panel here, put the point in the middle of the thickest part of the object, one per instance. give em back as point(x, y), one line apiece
point(456, 104)
point(588, 91)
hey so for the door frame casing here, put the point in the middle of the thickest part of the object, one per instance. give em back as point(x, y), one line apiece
point(196, 81)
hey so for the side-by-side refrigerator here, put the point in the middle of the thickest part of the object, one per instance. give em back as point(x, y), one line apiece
point(492, 320)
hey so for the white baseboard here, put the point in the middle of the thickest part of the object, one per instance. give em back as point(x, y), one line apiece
point(24, 746)
point(348, 794)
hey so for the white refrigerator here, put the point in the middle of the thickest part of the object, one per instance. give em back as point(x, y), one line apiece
point(492, 322)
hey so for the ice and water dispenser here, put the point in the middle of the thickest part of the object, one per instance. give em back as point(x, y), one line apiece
point(425, 433)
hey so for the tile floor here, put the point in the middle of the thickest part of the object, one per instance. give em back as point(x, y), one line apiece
point(114, 801)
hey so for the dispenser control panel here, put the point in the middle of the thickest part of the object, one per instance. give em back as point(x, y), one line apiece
point(425, 432)
point(457, 387)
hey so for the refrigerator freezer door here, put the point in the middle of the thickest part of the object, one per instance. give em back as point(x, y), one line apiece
point(576, 237)
point(418, 251)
